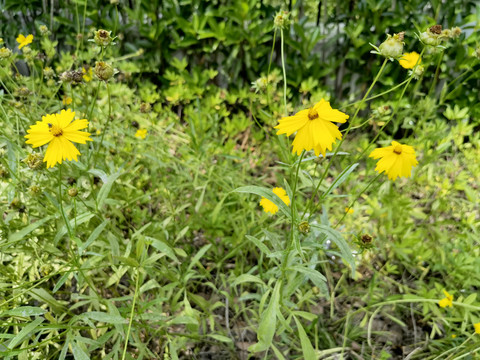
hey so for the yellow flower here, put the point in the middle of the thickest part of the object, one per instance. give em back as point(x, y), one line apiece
point(396, 160)
point(24, 41)
point(66, 100)
point(447, 300)
point(454, 336)
point(314, 127)
point(58, 130)
point(87, 74)
point(477, 328)
point(349, 210)
point(270, 207)
point(409, 60)
point(141, 133)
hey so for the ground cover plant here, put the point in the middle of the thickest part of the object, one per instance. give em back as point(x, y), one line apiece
point(239, 180)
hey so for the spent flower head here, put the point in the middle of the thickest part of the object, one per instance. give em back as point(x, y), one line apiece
point(103, 70)
point(5, 53)
point(48, 72)
point(281, 20)
point(103, 38)
point(392, 47)
point(396, 160)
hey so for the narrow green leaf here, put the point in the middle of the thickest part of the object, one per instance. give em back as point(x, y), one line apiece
point(78, 353)
point(105, 318)
point(307, 348)
point(316, 277)
point(93, 236)
point(268, 194)
point(25, 332)
point(106, 187)
point(25, 311)
point(199, 255)
point(19, 235)
point(260, 245)
point(340, 179)
point(268, 322)
point(247, 278)
point(162, 247)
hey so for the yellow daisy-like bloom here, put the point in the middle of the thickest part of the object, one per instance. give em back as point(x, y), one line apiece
point(270, 207)
point(24, 41)
point(87, 74)
point(315, 128)
point(477, 328)
point(141, 133)
point(58, 130)
point(396, 160)
point(349, 210)
point(66, 100)
point(409, 60)
point(447, 300)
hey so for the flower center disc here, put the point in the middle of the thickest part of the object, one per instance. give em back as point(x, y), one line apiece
point(397, 149)
point(55, 130)
point(312, 114)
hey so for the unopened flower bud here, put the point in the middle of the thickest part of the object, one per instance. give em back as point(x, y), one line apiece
point(34, 161)
point(43, 30)
point(102, 37)
point(281, 20)
point(48, 72)
point(5, 53)
point(455, 32)
point(417, 72)
point(145, 108)
point(392, 48)
point(35, 189)
point(304, 227)
point(72, 192)
point(103, 70)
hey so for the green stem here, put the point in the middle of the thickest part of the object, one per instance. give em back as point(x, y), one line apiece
point(106, 124)
point(284, 74)
point(394, 112)
point(60, 202)
point(459, 85)
point(310, 201)
point(293, 216)
point(437, 73)
point(356, 198)
point(137, 282)
point(269, 65)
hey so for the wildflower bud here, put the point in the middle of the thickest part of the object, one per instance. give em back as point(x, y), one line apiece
point(445, 34)
point(477, 53)
point(315, 290)
point(281, 20)
point(145, 108)
point(76, 76)
point(72, 192)
point(392, 47)
point(5, 53)
point(34, 161)
point(455, 32)
point(48, 72)
point(114, 2)
point(79, 37)
point(34, 189)
point(260, 85)
point(23, 91)
point(43, 30)
point(102, 37)
point(103, 70)
point(366, 239)
point(417, 72)
point(304, 227)
point(26, 50)
point(432, 36)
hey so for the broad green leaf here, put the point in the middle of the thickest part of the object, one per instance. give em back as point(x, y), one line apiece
point(307, 348)
point(268, 194)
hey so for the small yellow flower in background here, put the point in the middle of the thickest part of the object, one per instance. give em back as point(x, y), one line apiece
point(270, 207)
point(66, 100)
point(409, 60)
point(447, 300)
point(59, 131)
point(454, 336)
point(396, 160)
point(315, 128)
point(349, 210)
point(141, 133)
point(24, 41)
point(87, 74)
point(477, 328)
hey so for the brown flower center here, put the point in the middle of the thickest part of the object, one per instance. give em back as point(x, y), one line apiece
point(312, 114)
point(55, 130)
point(397, 149)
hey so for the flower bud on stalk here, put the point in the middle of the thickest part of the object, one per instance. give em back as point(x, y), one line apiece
point(103, 70)
point(392, 48)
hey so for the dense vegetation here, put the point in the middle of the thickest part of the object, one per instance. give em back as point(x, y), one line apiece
point(157, 244)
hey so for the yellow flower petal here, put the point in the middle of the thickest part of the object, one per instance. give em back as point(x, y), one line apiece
point(409, 60)
point(396, 160)
point(477, 328)
point(24, 41)
point(269, 206)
